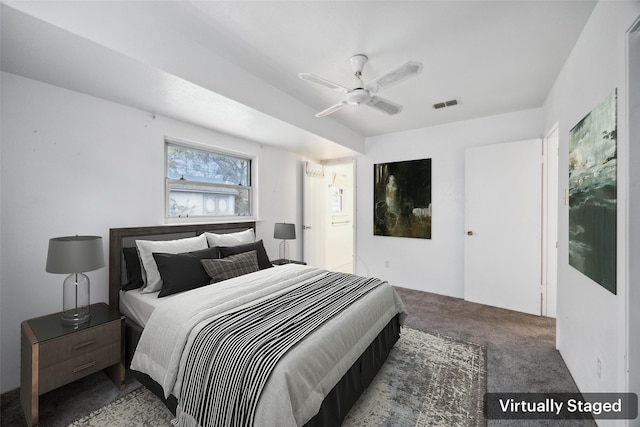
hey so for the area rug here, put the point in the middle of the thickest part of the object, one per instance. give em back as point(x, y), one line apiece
point(428, 380)
point(138, 408)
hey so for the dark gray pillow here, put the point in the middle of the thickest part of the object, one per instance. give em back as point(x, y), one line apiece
point(134, 269)
point(263, 258)
point(183, 272)
point(231, 266)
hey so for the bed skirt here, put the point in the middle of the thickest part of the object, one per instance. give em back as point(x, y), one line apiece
point(340, 399)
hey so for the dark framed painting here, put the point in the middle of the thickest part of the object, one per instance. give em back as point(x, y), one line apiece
point(593, 194)
point(402, 199)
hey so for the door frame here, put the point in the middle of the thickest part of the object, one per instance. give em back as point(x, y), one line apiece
point(631, 284)
point(550, 205)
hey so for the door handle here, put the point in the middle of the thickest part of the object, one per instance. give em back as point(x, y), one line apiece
point(469, 233)
point(306, 227)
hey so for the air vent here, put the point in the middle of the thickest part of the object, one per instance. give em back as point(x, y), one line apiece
point(451, 103)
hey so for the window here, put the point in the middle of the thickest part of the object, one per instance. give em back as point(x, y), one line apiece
point(205, 183)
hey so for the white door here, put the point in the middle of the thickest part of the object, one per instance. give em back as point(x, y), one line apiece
point(313, 221)
point(503, 204)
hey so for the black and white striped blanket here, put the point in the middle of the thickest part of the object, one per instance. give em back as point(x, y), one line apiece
point(232, 357)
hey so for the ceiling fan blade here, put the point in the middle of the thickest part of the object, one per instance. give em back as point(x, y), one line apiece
point(384, 105)
point(331, 109)
point(396, 76)
point(322, 82)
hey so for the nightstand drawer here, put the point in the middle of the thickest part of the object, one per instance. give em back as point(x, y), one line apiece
point(60, 350)
point(54, 376)
point(54, 354)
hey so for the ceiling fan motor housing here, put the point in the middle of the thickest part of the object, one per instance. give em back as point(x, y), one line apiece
point(358, 96)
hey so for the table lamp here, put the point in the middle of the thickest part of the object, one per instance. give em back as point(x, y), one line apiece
point(75, 255)
point(284, 232)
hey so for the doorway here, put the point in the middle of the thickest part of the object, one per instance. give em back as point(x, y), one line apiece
point(329, 213)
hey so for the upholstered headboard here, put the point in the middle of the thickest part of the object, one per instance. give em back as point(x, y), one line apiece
point(126, 237)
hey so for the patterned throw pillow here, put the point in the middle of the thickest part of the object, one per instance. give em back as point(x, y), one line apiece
point(261, 253)
point(231, 266)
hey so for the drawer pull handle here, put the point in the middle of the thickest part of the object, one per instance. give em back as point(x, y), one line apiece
point(84, 344)
point(83, 367)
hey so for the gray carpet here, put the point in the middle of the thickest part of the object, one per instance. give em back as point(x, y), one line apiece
point(521, 356)
point(61, 407)
point(521, 352)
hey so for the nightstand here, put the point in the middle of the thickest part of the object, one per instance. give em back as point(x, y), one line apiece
point(53, 354)
point(287, 261)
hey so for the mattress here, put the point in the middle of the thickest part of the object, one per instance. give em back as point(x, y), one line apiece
point(138, 306)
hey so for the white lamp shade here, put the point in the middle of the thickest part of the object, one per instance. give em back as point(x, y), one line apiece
point(75, 254)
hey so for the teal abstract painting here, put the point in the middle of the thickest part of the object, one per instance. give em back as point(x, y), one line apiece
point(593, 194)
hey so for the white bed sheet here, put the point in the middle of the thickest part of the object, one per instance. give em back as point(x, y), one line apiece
point(138, 306)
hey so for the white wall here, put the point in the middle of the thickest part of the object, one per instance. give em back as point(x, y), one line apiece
point(633, 192)
point(591, 321)
point(434, 265)
point(74, 164)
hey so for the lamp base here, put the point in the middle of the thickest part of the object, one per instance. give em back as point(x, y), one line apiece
point(284, 247)
point(75, 300)
point(75, 317)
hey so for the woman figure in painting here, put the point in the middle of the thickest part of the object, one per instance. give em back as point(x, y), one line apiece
point(391, 197)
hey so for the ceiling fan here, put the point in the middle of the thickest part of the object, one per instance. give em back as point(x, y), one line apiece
point(365, 94)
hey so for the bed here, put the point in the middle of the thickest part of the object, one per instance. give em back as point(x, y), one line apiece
point(355, 342)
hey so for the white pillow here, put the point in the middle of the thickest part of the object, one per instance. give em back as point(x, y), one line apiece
point(231, 239)
point(146, 248)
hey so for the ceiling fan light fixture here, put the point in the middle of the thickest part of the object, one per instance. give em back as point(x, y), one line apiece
point(358, 96)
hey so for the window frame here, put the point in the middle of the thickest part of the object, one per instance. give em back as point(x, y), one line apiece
point(251, 187)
